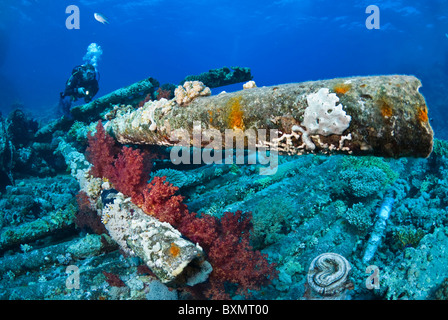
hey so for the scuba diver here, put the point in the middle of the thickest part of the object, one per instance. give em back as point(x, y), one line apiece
point(81, 84)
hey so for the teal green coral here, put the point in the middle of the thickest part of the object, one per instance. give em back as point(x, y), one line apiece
point(359, 217)
point(79, 130)
point(175, 177)
point(273, 224)
point(440, 147)
point(357, 163)
point(363, 182)
point(408, 236)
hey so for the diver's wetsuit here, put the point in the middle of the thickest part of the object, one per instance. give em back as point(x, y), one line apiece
point(77, 80)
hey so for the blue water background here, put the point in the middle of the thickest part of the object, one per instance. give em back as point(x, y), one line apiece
point(281, 41)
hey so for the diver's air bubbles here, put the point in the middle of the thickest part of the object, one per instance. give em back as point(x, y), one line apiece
point(93, 54)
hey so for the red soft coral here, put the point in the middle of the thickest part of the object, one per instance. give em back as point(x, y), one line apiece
point(147, 98)
point(128, 174)
point(127, 170)
point(226, 241)
point(234, 260)
point(159, 200)
point(101, 152)
point(164, 93)
point(113, 279)
point(202, 230)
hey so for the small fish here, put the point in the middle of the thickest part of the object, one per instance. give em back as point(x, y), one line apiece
point(100, 18)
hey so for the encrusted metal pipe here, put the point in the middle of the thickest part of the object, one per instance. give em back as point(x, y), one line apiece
point(128, 95)
point(374, 115)
point(173, 259)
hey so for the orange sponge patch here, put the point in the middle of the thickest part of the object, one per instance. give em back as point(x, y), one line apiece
point(235, 120)
point(342, 88)
point(422, 114)
point(386, 110)
point(210, 113)
point(174, 250)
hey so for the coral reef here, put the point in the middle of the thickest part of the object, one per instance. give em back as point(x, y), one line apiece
point(359, 217)
point(419, 272)
point(135, 233)
point(34, 209)
point(21, 152)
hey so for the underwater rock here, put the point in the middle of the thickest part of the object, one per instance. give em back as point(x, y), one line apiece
point(221, 77)
point(129, 95)
point(378, 115)
point(26, 151)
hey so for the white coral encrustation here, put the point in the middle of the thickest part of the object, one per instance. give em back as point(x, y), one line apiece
point(323, 116)
point(249, 85)
point(142, 119)
point(147, 113)
point(190, 91)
